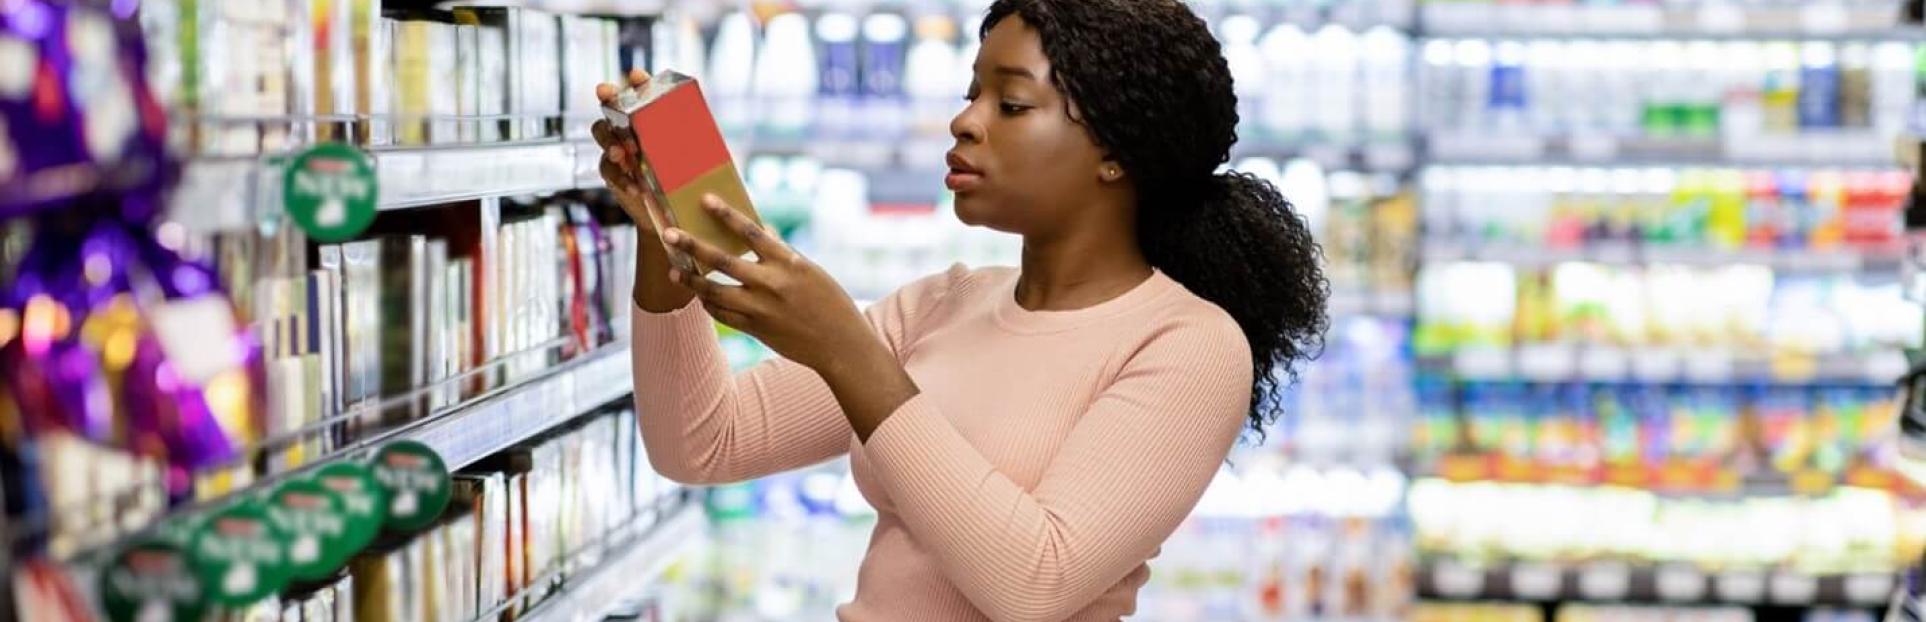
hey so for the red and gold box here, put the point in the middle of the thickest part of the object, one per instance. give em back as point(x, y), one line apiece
point(683, 157)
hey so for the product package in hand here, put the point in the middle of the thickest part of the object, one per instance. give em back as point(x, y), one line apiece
point(681, 157)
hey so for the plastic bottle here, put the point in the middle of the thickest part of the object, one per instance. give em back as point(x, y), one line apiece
point(786, 76)
point(839, 83)
point(1474, 57)
point(1386, 93)
point(1440, 92)
point(883, 50)
point(1248, 76)
point(1780, 95)
point(1819, 86)
point(927, 79)
point(732, 69)
point(1507, 99)
point(1892, 87)
point(1855, 85)
point(1335, 83)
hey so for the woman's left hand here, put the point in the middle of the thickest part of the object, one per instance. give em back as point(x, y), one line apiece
point(785, 300)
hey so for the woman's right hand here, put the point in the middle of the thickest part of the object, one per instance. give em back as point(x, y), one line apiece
point(654, 292)
point(619, 158)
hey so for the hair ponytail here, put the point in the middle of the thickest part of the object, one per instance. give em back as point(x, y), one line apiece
point(1155, 92)
point(1240, 245)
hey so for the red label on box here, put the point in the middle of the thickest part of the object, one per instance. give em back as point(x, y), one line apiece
point(680, 137)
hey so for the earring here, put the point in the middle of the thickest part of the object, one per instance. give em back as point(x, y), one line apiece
point(1112, 173)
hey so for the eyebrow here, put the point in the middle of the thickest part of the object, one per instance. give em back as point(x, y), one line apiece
point(1013, 71)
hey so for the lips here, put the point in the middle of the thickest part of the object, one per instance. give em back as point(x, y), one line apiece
point(963, 175)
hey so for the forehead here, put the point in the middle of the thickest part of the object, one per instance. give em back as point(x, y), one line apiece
point(1012, 43)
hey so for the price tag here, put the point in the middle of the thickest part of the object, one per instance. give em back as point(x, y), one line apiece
point(1605, 581)
point(1794, 368)
point(1593, 148)
point(1741, 586)
point(1535, 581)
point(151, 579)
point(1547, 362)
point(1657, 364)
point(1869, 589)
point(1824, 17)
point(1678, 583)
point(1711, 366)
point(416, 482)
point(1721, 17)
point(1885, 366)
point(239, 556)
point(1603, 363)
point(1456, 580)
point(1793, 588)
point(1482, 363)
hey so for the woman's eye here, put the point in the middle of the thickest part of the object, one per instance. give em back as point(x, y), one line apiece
point(1011, 109)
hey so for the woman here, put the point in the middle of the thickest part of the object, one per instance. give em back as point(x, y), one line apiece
point(1029, 437)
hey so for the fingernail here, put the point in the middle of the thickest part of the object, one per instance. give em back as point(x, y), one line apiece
point(675, 276)
point(672, 236)
point(712, 202)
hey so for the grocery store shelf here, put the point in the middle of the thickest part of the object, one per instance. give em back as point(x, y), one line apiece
point(1567, 362)
point(626, 567)
point(1652, 584)
point(1390, 155)
point(1346, 302)
point(219, 194)
point(461, 436)
point(1708, 20)
point(1491, 146)
point(1872, 259)
point(528, 409)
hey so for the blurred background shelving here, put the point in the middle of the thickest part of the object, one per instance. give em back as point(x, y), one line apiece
point(1616, 294)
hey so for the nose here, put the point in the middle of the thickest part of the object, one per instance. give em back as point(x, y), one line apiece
point(967, 125)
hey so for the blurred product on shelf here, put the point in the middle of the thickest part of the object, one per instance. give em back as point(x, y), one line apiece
point(1850, 530)
point(522, 524)
point(1273, 540)
point(1353, 404)
point(1736, 311)
point(1679, 88)
point(1659, 436)
point(1835, 19)
point(1332, 84)
point(262, 78)
point(1366, 223)
point(1500, 612)
point(785, 547)
point(1721, 209)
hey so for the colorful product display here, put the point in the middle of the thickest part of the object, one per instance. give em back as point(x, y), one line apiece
point(1850, 530)
point(1722, 209)
point(1667, 88)
point(1733, 311)
point(1660, 436)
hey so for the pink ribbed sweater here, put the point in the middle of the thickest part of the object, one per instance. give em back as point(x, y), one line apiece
point(1047, 458)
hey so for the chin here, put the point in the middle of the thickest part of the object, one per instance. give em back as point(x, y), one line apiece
point(970, 209)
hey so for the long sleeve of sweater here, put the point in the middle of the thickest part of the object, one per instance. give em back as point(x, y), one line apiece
point(1129, 472)
point(701, 424)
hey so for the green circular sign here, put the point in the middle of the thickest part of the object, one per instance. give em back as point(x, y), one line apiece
point(316, 525)
point(363, 498)
point(417, 483)
point(330, 190)
point(240, 555)
point(152, 579)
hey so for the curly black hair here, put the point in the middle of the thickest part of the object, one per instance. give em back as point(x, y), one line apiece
point(1152, 87)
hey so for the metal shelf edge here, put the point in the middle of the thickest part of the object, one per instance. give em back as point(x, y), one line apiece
point(527, 410)
point(628, 570)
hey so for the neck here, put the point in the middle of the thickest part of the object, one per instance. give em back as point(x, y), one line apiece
point(1082, 267)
